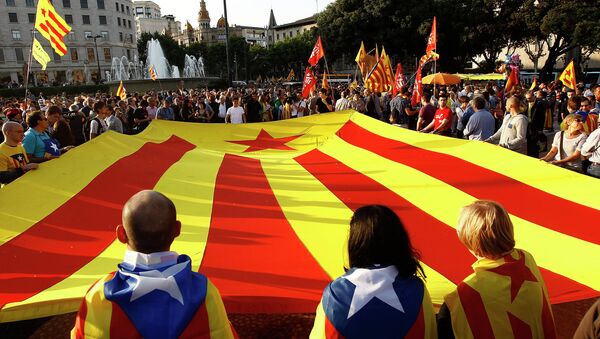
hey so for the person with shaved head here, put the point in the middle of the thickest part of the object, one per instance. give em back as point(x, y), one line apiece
point(513, 132)
point(155, 293)
point(13, 157)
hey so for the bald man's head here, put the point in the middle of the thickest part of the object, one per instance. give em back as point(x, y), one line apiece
point(150, 221)
point(13, 132)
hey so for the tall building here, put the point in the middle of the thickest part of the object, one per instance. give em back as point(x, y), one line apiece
point(211, 35)
point(110, 21)
point(276, 33)
point(148, 19)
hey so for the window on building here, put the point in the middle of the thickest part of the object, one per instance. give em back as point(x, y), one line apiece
point(74, 55)
point(128, 54)
point(12, 17)
point(86, 19)
point(102, 19)
point(104, 35)
point(16, 34)
point(56, 57)
point(69, 18)
point(84, 3)
point(131, 38)
point(121, 36)
point(139, 10)
point(119, 21)
point(71, 36)
point(29, 3)
point(127, 9)
point(87, 35)
point(91, 56)
point(19, 54)
point(1, 55)
point(129, 23)
point(10, 3)
point(107, 55)
point(117, 6)
point(277, 36)
point(67, 3)
point(100, 4)
point(122, 8)
point(31, 18)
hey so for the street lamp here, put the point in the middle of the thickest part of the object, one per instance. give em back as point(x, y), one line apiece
point(97, 56)
point(227, 42)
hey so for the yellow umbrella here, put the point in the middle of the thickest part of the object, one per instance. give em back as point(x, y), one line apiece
point(441, 79)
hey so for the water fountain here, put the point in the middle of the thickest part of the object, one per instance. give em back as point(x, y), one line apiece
point(156, 58)
point(194, 68)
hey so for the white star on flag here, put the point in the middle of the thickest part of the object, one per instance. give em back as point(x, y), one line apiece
point(54, 147)
point(149, 281)
point(373, 283)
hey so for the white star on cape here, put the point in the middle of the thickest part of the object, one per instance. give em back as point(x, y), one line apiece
point(149, 281)
point(54, 147)
point(373, 283)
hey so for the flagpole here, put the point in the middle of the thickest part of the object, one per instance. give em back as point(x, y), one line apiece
point(26, 76)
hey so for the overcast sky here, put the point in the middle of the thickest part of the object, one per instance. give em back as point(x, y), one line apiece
point(243, 12)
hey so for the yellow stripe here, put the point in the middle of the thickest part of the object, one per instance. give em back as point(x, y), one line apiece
point(99, 312)
point(429, 322)
point(318, 217)
point(190, 185)
point(318, 330)
point(46, 190)
point(217, 316)
point(428, 193)
point(546, 177)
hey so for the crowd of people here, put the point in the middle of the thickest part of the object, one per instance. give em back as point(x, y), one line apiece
point(519, 121)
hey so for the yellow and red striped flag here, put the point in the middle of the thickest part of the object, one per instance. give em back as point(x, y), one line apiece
point(152, 73)
point(389, 73)
point(121, 91)
point(52, 26)
point(274, 211)
point(567, 77)
point(325, 81)
point(376, 79)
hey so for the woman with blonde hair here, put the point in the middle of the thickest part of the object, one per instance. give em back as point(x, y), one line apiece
point(505, 296)
point(566, 147)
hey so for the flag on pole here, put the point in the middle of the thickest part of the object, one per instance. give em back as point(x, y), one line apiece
point(388, 71)
point(152, 73)
point(513, 80)
point(52, 26)
point(399, 80)
point(122, 92)
point(432, 40)
point(317, 53)
point(325, 82)
point(533, 84)
point(40, 54)
point(567, 77)
point(309, 82)
point(291, 75)
point(417, 88)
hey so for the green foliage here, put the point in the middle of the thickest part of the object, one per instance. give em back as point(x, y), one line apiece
point(174, 53)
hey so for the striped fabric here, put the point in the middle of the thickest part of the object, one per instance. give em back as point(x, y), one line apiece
point(265, 209)
point(52, 26)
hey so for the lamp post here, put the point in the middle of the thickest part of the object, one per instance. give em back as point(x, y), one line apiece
point(99, 77)
point(227, 42)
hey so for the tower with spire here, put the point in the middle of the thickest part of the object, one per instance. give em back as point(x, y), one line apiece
point(203, 17)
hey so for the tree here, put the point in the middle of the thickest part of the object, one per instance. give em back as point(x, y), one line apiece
point(565, 25)
point(174, 53)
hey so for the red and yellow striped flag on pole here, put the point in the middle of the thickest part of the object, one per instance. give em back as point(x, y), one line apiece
point(121, 91)
point(152, 73)
point(52, 26)
point(567, 77)
point(287, 212)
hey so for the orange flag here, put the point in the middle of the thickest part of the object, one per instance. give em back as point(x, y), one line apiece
point(325, 83)
point(317, 53)
point(533, 84)
point(432, 41)
point(567, 77)
point(121, 91)
point(309, 82)
point(513, 80)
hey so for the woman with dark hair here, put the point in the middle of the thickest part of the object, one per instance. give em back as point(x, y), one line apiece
point(383, 294)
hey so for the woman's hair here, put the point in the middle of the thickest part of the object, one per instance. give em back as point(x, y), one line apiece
point(33, 118)
point(377, 236)
point(484, 227)
point(572, 117)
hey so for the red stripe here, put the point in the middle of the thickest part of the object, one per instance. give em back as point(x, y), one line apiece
point(58, 23)
point(418, 328)
point(356, 189)
point(199, 326)
point(252, 253)
point(80, 320)
point(120, 325)
point(58, 45)
point(475, 311)
point(520, 329)
point(76, 232)
point(518, 198)
point(59, 36)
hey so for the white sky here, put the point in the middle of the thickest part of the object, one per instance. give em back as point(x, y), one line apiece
point(243, 12)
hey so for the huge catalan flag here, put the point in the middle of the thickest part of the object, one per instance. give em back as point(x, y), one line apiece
point(265, 209)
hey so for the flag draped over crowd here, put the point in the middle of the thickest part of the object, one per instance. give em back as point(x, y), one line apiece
point(265, 209)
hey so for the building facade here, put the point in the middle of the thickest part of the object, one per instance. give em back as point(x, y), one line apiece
point(277, 33)
point(109, 22)
point(148, 19)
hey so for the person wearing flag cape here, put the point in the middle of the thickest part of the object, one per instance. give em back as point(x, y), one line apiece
point(383, 294)
point(154, 293)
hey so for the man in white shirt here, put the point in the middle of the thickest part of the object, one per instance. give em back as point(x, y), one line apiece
point(152, 109)
point(235, 113)
point(343, 104)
